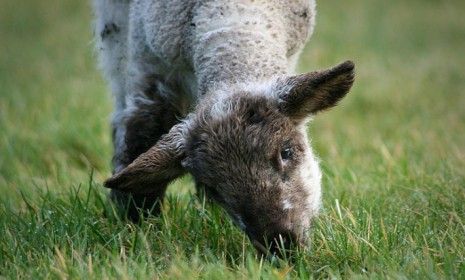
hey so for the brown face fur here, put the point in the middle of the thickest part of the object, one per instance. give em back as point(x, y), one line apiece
point(248, 150)
point(238, 159)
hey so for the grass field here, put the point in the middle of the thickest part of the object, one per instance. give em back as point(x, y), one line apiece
point(393, 155)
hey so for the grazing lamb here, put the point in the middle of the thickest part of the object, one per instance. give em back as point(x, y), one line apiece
point(204, 86)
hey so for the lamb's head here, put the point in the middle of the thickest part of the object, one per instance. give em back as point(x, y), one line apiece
point(248, 149)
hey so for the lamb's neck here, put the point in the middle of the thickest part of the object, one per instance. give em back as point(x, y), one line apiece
point(228, 56)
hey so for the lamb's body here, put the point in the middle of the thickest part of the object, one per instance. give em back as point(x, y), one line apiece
point(180, 49)
point(226, 64)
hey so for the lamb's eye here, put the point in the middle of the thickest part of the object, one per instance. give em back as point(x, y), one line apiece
point(286, 154)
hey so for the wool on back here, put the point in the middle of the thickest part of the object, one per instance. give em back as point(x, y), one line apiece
point(223, 42)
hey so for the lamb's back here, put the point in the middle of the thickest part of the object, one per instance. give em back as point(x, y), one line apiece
point(170, 27)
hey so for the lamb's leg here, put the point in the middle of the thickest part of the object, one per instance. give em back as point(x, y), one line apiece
point(111, 32)
point(134, 129)
point(147, 120)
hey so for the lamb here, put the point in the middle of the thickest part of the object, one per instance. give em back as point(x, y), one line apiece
point(206, 87)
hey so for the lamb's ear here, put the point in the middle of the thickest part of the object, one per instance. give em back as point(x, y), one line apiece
point(306, 94)
point(158, 166)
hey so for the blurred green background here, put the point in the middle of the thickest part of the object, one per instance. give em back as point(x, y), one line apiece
point(394, 146)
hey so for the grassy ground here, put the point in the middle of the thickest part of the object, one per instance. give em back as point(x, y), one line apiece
point(393, 156)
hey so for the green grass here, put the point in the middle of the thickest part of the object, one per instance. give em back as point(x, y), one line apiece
point(393, 155)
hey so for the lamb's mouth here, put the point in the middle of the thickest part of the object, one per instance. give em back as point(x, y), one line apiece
point(268, 253)
point(260, 248)
point(281, 248)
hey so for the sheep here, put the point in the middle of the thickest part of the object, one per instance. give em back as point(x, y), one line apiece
point(207, 87)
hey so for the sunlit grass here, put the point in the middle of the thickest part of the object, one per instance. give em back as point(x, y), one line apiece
point(392, 153)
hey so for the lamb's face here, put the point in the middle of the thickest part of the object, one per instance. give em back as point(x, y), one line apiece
point(249, 149)
point(255, 161)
